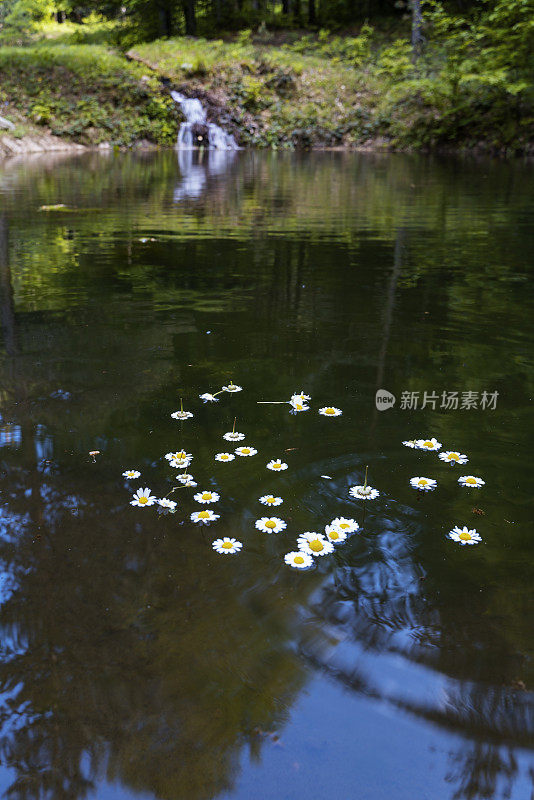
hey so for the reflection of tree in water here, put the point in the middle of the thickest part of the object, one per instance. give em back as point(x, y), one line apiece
point(131, 652)
point(383, 604)
point(128, 651)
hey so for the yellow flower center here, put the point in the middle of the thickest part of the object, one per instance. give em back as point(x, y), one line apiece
point(334, 535)
point(344, 525)
point(453, 456)
point(224, 458)
point(206, 495)
point(471, 480)
point(428, 444)
point(316, 545)
point(330, 411)
point(298, 560)
point(245, 450)
point(270, 524)
point(423, 482)
point(143, 500)
point(227, 545)
point(465, 536)
point(276, 466)
point(270, 500)
point(203, 514)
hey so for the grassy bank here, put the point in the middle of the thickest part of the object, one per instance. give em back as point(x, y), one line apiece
point(84, 93)
point(297, 90)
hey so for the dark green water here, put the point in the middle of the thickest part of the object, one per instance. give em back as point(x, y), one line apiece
point(138, 663)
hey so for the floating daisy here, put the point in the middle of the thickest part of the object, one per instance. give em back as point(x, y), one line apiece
point(234, 436)
point(452, 457)
point(427, 444)
point(184, 477)
point(224, 457)
point(300, 397)
point(314, 544)
point(227, 546)
point(330, 411)
point(363, 492)
point(232, 387)
point(206, 497)
point(423, 484)
point(143, 498)
point(271, 500)
point(298, 559)
point(334, 535)
point(470, 480)
point(131, 474)
point(166, 503)
point(189, 483)
point(181, 415)
point(208, 398)
point(179, 463)
point(298, 405)
point(270, 524)
point(246, 451)
point(179, 454)
point(410, 443)
point(276, 465)
point(464, 535)
point(344, 524)
point(204, 517)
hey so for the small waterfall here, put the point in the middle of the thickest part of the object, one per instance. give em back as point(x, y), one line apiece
point(196, 129)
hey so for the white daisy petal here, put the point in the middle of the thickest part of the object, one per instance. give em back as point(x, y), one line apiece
point(234, 436)
point(298, 559)
point(131, 474)
point(427, 444)
point(453, 457)
point(232, 388)
point(224, 457)
point(344, 524)
point(334, 535)
point(178, 455)
point(424, 484)
point(464, 535)
point(270, 524)
point(471, 481)
point(166, 503)
point(208, 398)
point(227, 545)
point(204, 517)
point(314, 544)
point(246, 451)
point(330, 411)
point(206, 497)
point(270, 500)
point(410, 443)
point(181, 415)
point(143, 498)
point(364, 492)
point(276, 465)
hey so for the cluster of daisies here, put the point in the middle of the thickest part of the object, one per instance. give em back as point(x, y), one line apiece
point(452, 457)
point(309, 543)
point(300, 402)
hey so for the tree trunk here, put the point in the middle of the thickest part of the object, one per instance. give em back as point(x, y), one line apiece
point(285, 7)
point(297, 11)
point(312, 16)
point(190, 18)
point(417, 24)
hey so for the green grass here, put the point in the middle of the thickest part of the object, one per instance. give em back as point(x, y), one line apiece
point(85, 93)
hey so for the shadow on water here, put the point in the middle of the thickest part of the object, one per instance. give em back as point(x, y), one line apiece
point(134, 655)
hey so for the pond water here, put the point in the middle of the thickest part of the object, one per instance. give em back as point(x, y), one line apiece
point(135, 661)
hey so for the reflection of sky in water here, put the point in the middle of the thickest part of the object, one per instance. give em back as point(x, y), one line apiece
point(10, 435)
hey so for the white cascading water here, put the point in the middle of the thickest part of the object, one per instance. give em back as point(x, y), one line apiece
point(195, 115)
